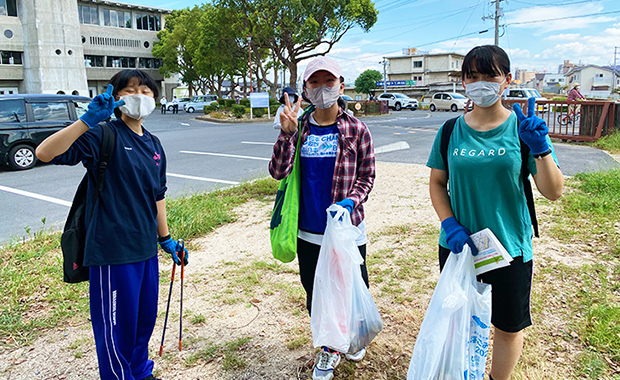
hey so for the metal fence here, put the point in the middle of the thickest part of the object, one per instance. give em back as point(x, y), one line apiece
point(576, 121)
point(368, 107)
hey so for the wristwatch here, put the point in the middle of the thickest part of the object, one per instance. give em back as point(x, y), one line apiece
point(539, 156)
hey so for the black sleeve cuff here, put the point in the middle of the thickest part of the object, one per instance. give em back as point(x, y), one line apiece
point(162, 239)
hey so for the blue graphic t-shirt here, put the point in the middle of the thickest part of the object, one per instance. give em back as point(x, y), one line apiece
point(318, 159)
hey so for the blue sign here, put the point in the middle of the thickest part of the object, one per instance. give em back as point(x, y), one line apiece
point(392, 83)
point(259, 99)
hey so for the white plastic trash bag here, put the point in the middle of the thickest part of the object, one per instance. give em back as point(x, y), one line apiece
point(344, 316)
point(454, 337)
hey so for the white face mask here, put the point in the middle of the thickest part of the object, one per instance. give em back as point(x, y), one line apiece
point(483, 94)
point(137, 106)
point(323, 97)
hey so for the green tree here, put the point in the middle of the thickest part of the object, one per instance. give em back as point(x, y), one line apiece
point(293, 29)
point(367, 81)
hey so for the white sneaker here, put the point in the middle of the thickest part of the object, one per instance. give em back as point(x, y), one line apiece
point(356, 357)
point(324, 366)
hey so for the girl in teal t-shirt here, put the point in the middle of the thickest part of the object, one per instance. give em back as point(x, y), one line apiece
point(486, 191)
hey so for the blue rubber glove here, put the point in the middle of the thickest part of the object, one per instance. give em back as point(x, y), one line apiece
point(100, 108)
point(347, 203)
point(532, 129)
point(457, 236)
point(172, 247)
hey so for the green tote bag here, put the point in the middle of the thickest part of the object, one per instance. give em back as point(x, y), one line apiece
point(285, 217)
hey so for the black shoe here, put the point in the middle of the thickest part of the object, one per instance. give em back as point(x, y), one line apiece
point(151, 377)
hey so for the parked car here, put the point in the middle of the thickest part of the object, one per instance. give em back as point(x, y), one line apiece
point(26, 120)
point(525, 93)
point(452, 101)
point(199, 101)
point(182, 102)
point(399, 101)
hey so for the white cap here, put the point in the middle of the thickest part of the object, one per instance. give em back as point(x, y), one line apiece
point(322, 63)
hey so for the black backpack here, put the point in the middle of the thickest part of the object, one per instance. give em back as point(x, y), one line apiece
point(73, 237)
point(447, 129)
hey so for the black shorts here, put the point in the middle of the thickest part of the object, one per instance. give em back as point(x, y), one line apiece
point(510, 293)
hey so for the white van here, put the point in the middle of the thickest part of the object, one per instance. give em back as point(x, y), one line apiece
point(199, 102)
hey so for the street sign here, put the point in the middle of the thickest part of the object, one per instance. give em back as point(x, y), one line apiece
point(392, 83)
point(259, 99)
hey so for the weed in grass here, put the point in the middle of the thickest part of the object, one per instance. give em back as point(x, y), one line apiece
point(592, 365)
point(197, 319)
point(297, 342)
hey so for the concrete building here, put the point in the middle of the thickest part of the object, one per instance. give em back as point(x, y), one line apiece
point(595, 81)
point(75, 46)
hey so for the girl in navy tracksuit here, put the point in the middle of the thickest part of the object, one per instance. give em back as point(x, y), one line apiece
point(128, 220)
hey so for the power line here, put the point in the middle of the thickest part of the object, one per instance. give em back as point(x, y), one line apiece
point(562, 18)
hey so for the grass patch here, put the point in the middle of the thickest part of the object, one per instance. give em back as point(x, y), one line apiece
point(228, 351)
point(33, 295)
point(610, 143)
point(591, 207)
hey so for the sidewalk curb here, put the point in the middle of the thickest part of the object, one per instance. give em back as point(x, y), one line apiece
point(241, 121)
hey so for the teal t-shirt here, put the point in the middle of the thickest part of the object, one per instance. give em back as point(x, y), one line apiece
point(486, 190)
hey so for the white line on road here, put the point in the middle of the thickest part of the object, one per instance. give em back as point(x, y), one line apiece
point(392, 147)
point(256, 143)
point(226, 155)
point(36, 196)
point(185, 124)
point(202, 178)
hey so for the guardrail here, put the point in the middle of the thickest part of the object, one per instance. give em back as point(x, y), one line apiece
point(576, 121)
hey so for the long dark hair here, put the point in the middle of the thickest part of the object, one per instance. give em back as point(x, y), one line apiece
point(121, 79)
point(486, 59)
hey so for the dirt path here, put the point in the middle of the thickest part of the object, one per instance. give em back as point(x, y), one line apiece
point(244, 313)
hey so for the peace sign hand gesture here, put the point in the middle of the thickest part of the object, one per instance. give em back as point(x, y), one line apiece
point(288, 117)
point(532, 129)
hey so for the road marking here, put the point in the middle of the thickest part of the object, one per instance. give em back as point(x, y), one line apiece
point(256, 143)
point(36, 196)
point(226, 155)
point(185, 124)
point(202, 178)
point(401, 145)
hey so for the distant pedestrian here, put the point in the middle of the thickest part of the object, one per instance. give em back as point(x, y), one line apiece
point(163, 103)
point(292, 96)
point(175, 105)
point(126, 223)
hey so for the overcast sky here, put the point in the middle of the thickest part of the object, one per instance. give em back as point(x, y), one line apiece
point(583, 31)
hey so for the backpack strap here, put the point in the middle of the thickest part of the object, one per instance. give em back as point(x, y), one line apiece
point(527, 185)
point(446, 132)
point(105, 154)
point(447, 129)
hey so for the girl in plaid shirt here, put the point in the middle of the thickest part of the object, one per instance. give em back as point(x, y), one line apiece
point(337, 166)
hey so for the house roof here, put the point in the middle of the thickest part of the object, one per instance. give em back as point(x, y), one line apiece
point(579, 68)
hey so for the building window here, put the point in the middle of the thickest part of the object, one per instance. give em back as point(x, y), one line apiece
point(147, 22)
point(118, 62)
point(8, 8)
point(118, 19)
point(149, 63)
point(88, 15)
point(417, 64)
point(93, 60)
point(11, 57)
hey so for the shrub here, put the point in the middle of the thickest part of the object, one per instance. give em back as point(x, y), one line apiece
point(209, 108)
point(238, 111)
point(229, 103)
point(259, 112)
point(244, 102)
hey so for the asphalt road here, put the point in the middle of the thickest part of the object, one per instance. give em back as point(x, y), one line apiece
point(205, 156)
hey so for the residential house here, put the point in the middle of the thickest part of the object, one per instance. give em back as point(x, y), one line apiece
point(596, 81)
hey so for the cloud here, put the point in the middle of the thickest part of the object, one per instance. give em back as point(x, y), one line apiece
point(523, 18)
point(564, 36)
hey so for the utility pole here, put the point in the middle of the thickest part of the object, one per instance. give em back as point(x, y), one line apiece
point(384, 62)
point(613, 75)
point(498, 13)
point(250, 60)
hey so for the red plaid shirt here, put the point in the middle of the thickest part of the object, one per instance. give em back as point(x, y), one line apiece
point(354, 172)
